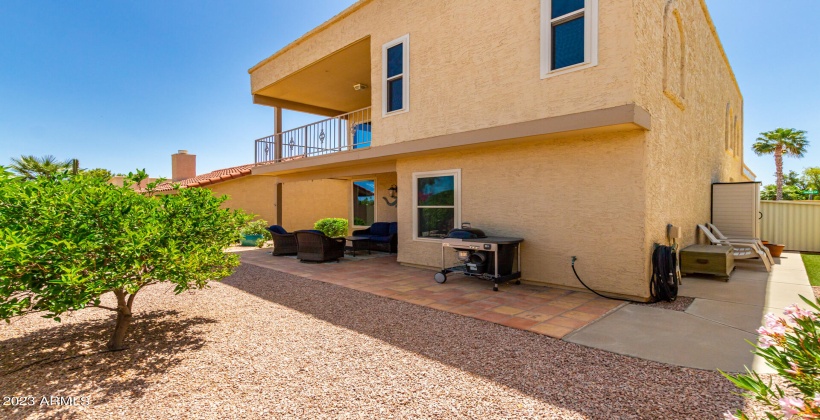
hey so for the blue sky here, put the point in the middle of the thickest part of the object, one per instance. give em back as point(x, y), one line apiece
point(124, 84)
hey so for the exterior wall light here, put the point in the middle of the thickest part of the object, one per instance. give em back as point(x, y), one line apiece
point(393, 190)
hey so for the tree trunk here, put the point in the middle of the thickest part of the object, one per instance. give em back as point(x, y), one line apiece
point(778, 165)
point(123, 321)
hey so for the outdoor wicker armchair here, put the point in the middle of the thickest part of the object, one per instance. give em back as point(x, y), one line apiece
point(315, 246)
point(284, 243)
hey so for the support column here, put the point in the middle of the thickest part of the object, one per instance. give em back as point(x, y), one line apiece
point(277, 128)
point(279, 203)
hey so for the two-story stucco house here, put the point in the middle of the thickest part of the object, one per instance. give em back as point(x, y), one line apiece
point(583, 126)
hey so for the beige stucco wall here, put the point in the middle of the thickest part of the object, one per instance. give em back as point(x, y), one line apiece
point(253, 194)
point(305, 202)
point(604, 198)
point(384, 212)
point(581, 196)
point(686, 148)
point(473, 64)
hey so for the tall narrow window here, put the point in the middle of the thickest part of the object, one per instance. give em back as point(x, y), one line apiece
point(569, 35)
point(395, 94)
point(436, 203)
point(364, 202)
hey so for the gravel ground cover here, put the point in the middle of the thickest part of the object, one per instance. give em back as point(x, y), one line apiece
point(265, 344)
point(680, 304)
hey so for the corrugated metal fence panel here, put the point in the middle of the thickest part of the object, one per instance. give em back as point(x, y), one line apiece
point(793, 223)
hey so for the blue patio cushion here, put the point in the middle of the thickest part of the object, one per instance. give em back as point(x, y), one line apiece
point(374, 238)
point(315, 231)
point(380, 229)
point(394, 228)
point(277, 229)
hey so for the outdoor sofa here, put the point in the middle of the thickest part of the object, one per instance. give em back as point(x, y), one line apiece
point(383, 236)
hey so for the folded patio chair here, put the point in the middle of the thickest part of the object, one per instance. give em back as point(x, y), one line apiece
point(284, 243)
point(742, 250)
point(315, 246)
point(757, 241)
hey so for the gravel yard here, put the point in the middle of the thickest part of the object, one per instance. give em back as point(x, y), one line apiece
point(264, 344)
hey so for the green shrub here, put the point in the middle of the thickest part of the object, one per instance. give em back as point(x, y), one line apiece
point(790, 346)
point(256, 227)
point(332, 226)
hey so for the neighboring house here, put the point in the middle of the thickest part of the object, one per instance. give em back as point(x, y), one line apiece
point(253, 194)
point(583, 126)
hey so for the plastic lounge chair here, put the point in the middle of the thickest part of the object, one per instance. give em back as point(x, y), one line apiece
point(742, 250)
point(284, 243)
point(757, 241)
point(315, 246)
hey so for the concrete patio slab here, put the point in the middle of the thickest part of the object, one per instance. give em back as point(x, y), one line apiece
point(712, 332)
point(670, 337)
point(744, 317)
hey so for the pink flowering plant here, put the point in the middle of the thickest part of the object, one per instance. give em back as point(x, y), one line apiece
point(791, 346)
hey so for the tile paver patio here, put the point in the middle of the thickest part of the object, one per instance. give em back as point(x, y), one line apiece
point(545, 310)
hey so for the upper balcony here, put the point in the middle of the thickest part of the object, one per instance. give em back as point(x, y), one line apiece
point(348, 131)
point(337, 85)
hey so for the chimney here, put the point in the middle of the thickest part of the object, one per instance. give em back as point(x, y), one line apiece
point(183, 166)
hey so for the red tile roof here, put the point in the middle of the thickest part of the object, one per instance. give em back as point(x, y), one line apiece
point(214, 177)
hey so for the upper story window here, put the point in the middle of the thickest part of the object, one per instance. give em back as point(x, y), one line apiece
point(395, 76)
point(569, 35)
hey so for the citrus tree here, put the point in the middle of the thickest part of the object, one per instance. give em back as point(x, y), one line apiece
point(65, 241)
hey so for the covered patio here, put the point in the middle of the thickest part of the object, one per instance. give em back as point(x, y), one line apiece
point(544, 310)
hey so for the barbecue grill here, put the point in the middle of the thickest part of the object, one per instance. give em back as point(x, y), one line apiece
point(485, 257)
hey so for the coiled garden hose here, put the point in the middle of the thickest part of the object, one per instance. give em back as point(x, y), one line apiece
point(665, 280)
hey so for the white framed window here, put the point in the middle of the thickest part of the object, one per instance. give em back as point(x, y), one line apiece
point(436, 203)
point(364, 202)
point(569, 36)
point(396, 76)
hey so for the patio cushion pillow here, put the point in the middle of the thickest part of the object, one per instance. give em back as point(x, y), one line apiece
point(279, 230)
point(394, 228)
point(379, 229)
point(316, 231)
point(380, 238)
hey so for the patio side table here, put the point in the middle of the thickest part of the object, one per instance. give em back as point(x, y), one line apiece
point(358, 243)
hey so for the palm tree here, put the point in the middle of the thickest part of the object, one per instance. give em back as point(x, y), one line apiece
point(781, 141)
point(30, 167)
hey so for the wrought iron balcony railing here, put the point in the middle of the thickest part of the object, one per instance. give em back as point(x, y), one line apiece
point(345, 132)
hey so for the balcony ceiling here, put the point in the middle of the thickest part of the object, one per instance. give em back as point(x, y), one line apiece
point(326, 84)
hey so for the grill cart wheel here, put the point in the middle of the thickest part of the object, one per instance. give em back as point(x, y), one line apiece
point(495, 287)
point(440, 277)
point(518, 282)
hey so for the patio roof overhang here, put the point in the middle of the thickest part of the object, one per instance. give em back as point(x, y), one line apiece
point(324, 87)
point(620, 118)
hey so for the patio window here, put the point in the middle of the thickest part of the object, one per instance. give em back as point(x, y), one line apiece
point(364, 202)
point(395, 64)
point(436, 203)
point(569, 35)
